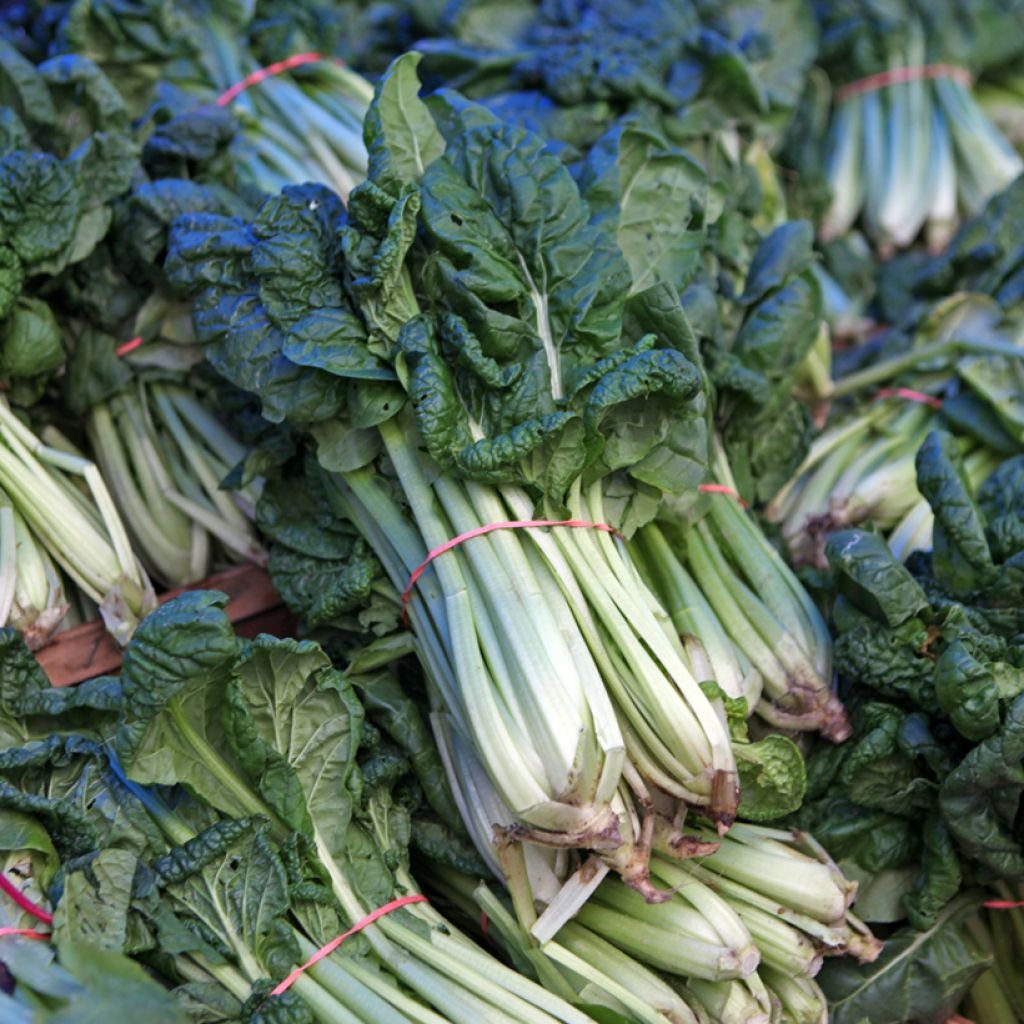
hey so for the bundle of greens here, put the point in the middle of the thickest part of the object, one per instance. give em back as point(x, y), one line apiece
point(932, 657)
point(57, 500)
point(79, 280)
point(164, 456)
point(956, 369)
point(906, 146)
point(498, 370)
point(283, 842)
point(736, 942)
point(1000, 94)
point(194, 69)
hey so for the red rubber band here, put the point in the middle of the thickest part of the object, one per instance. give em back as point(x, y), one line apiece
point(25, 933)
point(911, 396)
point(480, 531)
point(23, 901)
point(129, 346)
point(1003, 904)
point(335, 943)
point(260, 74)
point(722, 489)
point(895, 76)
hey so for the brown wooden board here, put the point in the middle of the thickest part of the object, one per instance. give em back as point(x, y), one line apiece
point(87, 651)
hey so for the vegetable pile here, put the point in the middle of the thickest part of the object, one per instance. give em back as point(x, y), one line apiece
point(625, 400)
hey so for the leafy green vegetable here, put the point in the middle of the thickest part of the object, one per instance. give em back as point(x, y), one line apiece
point(920, 973)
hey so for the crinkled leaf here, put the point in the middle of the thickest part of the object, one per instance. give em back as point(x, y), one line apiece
point(69, 785)
point(961, 559)
point(981, 798)
point(1001, 502)
point(174, 675)
point(940, 877)
point(513, 235)
point(12, 277)
point(307, 712)
point(390, 707)
point(230, 878)
point(772, 778)
point(967, 692)
point(94, 904)
point(40, 205)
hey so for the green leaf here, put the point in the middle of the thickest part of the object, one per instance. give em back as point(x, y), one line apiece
point(375, 259)
point(967, 692)
point(12, 277)
point(68, 784)
point(23, 88)
point(961, 559)
point(174, 675)
point(880, 894)
point(390, 707)
point(787, 251)
point(40, 205)
point(30, 341)
point(780, 329)
point(93, 907)
point(307, 713)
point(231, 880)
point(115, 988)
point(981, 797)
point(518, 259)
point(631, 178)
point(940, 877)
point(28, 860)
point(1001, 502)
point(772, 778)
point(874, 580)
point(999, 381)
point(921, 975)
point(401, 138)
point(95, 372)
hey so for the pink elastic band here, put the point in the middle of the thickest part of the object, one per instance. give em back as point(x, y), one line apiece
point(129, 346)
point(480, 531)
point(23, 901)
point(722, 489)
point(335, 943)
point(260, 74)
point(25, 933)
point(895, 76)
point(1003, 904)
point(911, 396)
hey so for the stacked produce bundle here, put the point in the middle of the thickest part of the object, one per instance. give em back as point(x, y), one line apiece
point(189, 67)
point(147, 468)
point(907, 148)
point(952, 373)
point(497, 366)
point(284, 840)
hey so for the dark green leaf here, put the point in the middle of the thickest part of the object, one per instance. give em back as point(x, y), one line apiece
point(921, 975)
point(872, 578)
